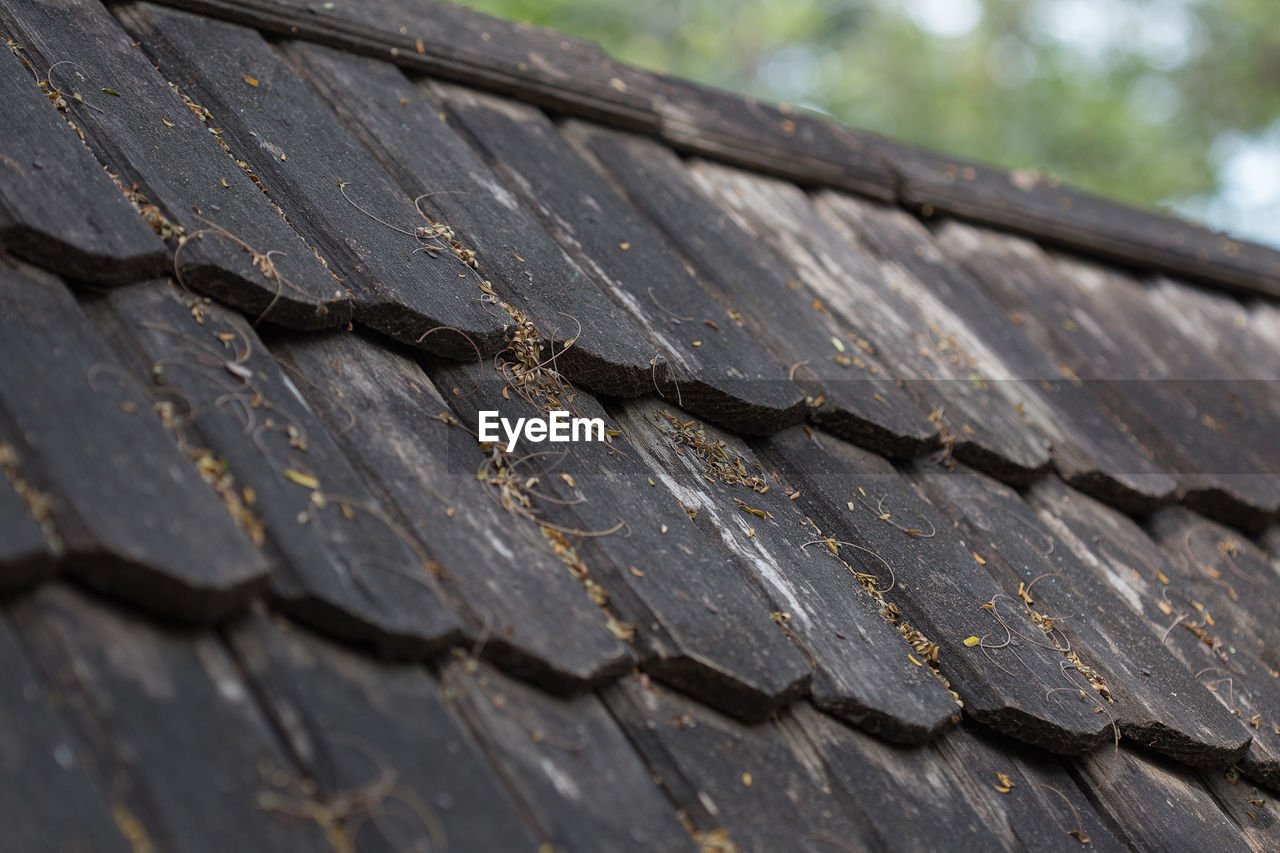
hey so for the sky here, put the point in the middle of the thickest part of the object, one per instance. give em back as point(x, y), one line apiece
point(1247, 202)
point(1124, 95)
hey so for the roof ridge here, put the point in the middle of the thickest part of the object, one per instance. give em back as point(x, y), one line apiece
point(573, 76)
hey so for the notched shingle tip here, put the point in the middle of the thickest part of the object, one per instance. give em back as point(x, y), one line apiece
point(906, 440)
point(736, 697)
point(746, 407)
point(1213, 750)
point(1061, 738)
point(201, 598)
point(562, 677)
point(904, 724)
point(260, 299)
point(1135, 494)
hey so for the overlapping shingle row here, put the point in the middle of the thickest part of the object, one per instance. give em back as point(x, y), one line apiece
point(901, 525)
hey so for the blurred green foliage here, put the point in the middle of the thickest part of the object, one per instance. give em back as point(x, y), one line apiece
point(1123, 97)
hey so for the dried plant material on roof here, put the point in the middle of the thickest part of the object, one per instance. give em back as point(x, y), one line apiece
point(39, 504)
point(720, 463)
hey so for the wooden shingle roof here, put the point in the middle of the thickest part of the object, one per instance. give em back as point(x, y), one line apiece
point(934, 512)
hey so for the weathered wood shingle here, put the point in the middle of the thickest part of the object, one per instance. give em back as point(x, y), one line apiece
point(936, 579)
point(383, 735)
point(527, 611)
point(58, 208)
point(918, 346)
point(737, 784)
point(322, 176)
point(699, 623)
point(1089, 449)
point(863, 668)
point(861, 402)
point(164, 151)
point(344, 561)
point(596, 343)
point(719, 373)
point(130, 507)
point(1152, 697)
point(1136, 575)
point(570, 763)
point(1037, 205)
point(680, 637)
point(185, 753)
point(1216, 476)
point(50, 799)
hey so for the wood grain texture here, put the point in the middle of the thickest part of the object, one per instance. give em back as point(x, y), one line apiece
point(1252, 809)
point(190, 762)
point(721, 374)
point(760, 292)
point(57, 207)
point(524, 264)
point(50, 799)
point(1089, 449)
point(573, 77)
point(917, 345)
point(451, 42)
point(1123, 558)
point(1154, 804)
point(1037, 206)
point(571, 763)
point(360, 725)
point(945, 795)
point(1213, 475)
point(1241, 414)
point(304, 155)
point(1155, 700)
point(1233, 331)
point(863, 670)
point(159, 148)
point(345, 564)
point(1227, 571)
point(743, 783)
point(527, 612)
point(893, 788)
point(932, 575)
point(699, 621)
point(135, 517)
point(780, 140)
point(1045, 804)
